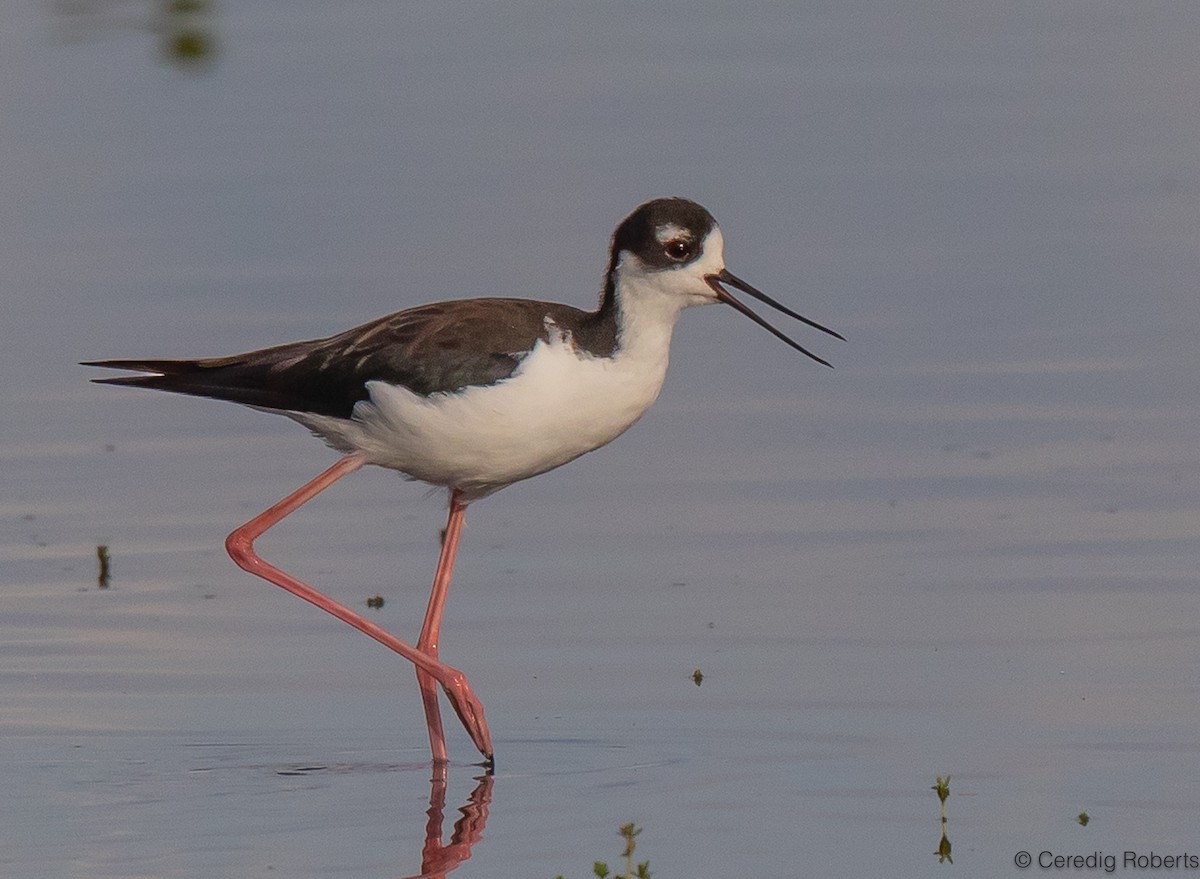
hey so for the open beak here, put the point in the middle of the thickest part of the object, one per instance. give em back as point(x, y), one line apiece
point(725, 277)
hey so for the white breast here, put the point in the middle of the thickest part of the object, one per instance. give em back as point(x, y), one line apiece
point(558, 405)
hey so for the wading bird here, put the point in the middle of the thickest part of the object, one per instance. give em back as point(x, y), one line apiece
point(474, 395)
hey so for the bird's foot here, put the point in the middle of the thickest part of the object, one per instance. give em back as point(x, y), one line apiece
point(469, 710)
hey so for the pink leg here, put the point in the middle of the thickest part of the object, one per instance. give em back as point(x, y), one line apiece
point(427, 642)
point(240, 545)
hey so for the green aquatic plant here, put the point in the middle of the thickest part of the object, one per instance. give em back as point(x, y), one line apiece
point(105, 560)
point(943, 851)
point(641, 870)
point(942, 789)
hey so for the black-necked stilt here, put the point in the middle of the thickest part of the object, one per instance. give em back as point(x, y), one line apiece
point(474, 395)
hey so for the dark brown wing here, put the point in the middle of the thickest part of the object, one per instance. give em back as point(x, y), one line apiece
point(445, 346)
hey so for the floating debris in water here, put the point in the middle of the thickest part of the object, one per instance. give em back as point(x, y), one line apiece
point(375, 602)
point(1083, 819)
point(301, 770)
point(102, 556)
point(697, 677)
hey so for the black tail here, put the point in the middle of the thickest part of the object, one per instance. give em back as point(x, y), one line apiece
point(218, 378)
point(154, 368)
point(287, 378)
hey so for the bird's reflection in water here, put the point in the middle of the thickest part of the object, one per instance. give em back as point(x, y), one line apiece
point(439, 857)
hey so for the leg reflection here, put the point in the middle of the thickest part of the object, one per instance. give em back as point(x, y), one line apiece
point(438, 857)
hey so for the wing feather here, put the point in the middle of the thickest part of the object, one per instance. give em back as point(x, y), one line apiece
point(441, 347)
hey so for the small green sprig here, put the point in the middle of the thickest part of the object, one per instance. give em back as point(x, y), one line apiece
point(629, 833)
point(942, 789)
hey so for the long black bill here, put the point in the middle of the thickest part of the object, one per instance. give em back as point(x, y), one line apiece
point(726, 277)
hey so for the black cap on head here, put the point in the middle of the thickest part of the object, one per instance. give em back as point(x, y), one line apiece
point(647, 231)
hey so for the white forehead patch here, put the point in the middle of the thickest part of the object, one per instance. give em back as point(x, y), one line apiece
point(669, 232)
point(712, 257)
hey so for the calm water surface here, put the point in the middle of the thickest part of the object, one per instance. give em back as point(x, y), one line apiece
point(970, 549)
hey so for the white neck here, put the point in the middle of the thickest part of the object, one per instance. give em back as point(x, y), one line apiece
point(649, 301)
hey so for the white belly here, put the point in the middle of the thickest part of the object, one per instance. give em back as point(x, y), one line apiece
point(557, 406)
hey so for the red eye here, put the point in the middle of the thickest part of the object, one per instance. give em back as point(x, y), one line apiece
point(678, 249)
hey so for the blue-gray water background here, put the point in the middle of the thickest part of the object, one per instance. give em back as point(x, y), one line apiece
point(972, 548)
